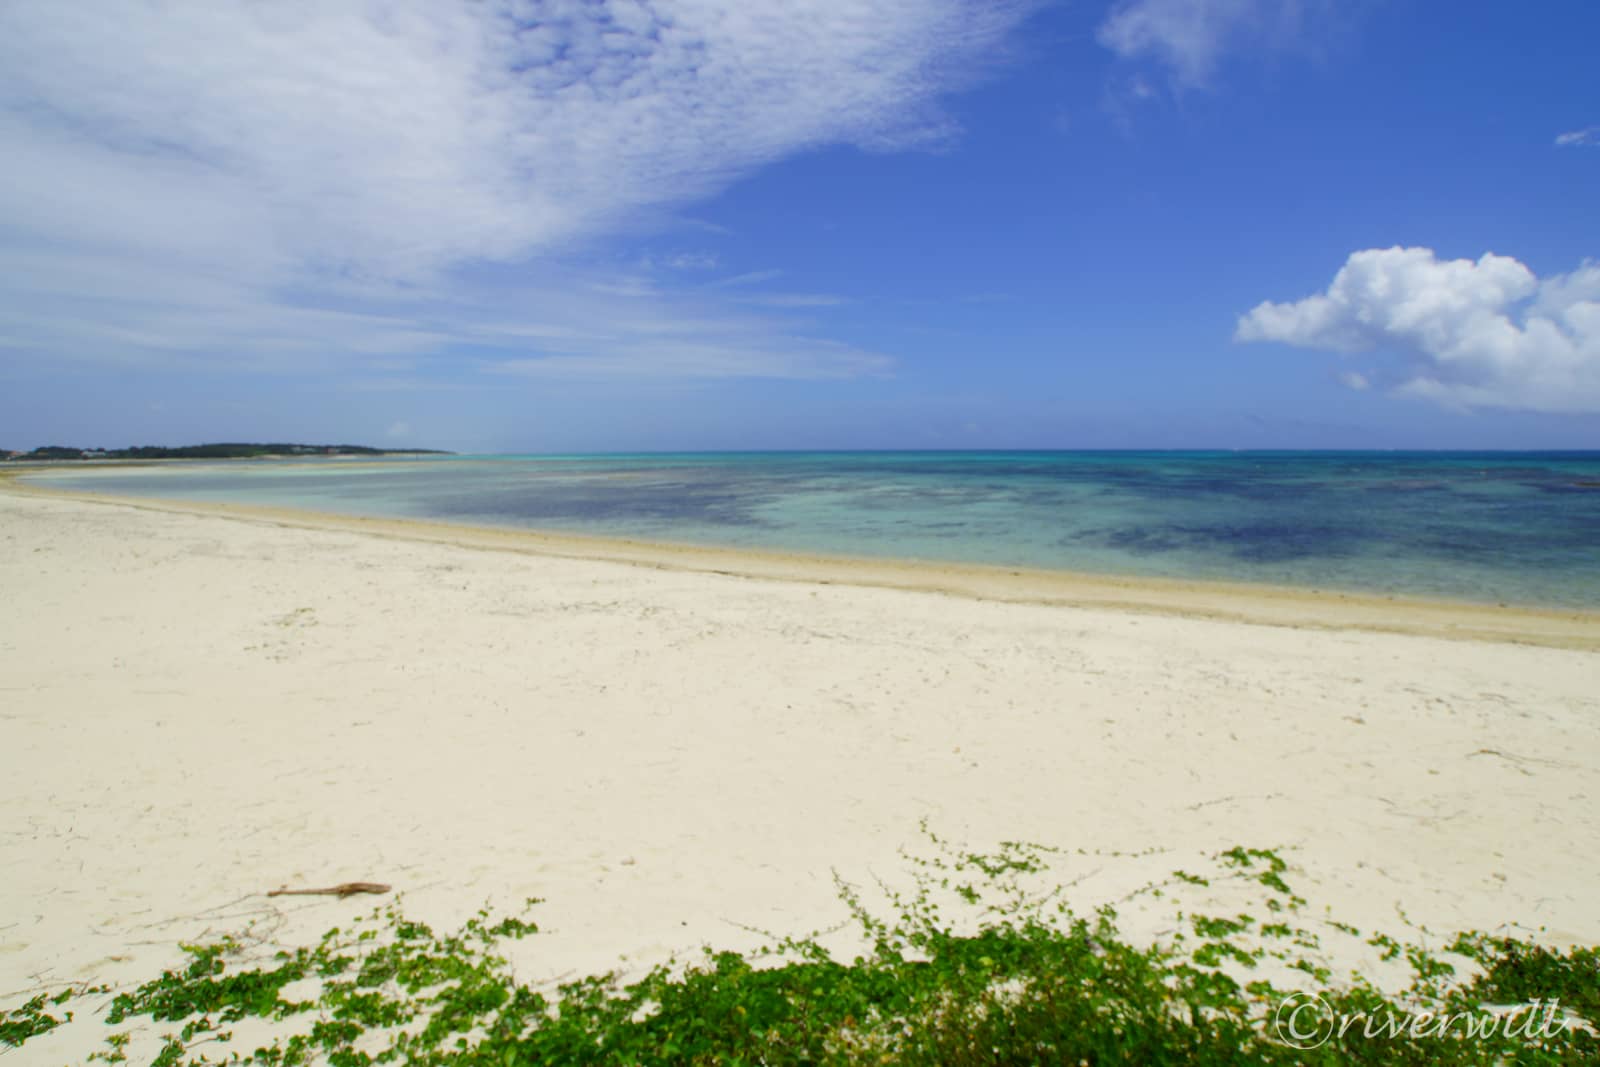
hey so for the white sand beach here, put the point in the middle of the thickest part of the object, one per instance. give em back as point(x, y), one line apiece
point(197, 707)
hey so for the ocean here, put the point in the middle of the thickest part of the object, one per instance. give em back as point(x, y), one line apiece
point(1521, 528)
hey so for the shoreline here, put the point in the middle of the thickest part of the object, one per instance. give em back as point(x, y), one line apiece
point(1246, 602)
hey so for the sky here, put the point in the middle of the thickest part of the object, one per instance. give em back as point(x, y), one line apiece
point(621, 225)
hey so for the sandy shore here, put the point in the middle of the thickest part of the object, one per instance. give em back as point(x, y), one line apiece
point(1253, 602)
point(198, 705)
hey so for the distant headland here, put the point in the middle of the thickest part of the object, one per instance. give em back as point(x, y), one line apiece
point(213, 451)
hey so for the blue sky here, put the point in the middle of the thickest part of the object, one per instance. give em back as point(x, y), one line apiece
point(571, 226)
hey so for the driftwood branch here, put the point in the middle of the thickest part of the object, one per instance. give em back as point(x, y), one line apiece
point(346, 889)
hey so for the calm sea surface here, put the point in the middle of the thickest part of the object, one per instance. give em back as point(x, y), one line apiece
point(1513, 527)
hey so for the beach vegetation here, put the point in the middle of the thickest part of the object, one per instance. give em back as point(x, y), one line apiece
point(976, 958)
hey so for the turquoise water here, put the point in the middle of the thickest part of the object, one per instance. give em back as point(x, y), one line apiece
point(1512, 527)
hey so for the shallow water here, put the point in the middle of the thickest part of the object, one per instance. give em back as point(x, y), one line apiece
point(1512, 527)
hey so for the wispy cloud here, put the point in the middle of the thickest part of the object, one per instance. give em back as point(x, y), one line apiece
point(624, 287)
point(755, 357)
point(691, 261)
point(1587, 137)
point(1191, 36)
point(754, 277)
point(1484, 333)
point(795, 300)
point(303, 180)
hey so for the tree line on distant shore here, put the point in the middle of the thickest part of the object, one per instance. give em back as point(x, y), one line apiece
point(212, 451)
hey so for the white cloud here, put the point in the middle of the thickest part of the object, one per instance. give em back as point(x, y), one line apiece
point(1190, 36)
point(1587, 137)
point(200, 162)
point(1354, 380)
point(1473, 334)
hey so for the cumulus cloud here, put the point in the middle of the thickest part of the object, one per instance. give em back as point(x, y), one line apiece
point(1484, 333)
point(1587, 137)
point(1190, 36)
point(322, 152)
